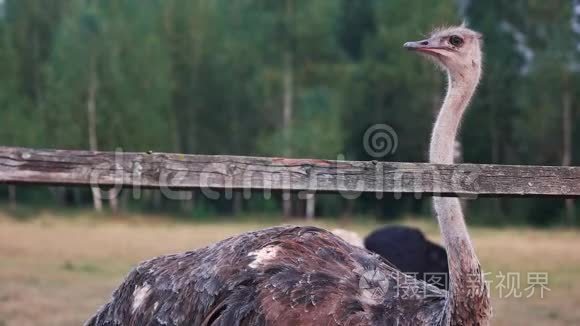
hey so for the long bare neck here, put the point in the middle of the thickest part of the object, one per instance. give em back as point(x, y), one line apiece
point(449, 213)
point(464, 271)
point(459, 93)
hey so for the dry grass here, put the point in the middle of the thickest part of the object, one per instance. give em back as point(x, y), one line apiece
point(57, 272)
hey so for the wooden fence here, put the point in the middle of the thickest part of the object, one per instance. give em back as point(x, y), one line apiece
point(180, 172)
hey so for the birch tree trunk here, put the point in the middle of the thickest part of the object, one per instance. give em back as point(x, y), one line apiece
point(567, 131)
point(92, 127)
point(157, 199)
point(237, 203)
point(12, 196)
point(288, 102)
point(114, 200)
point(187, 201)
point(495, 158)
point(310, 206)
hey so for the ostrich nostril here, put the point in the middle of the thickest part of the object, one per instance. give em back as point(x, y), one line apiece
point(425, 43)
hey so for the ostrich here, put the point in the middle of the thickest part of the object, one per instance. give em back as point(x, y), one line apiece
point(307, 276)
point(410, 252)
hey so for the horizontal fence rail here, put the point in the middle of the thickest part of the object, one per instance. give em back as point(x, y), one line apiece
point(212, 173)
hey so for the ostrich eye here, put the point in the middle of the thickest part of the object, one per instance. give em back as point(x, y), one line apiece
point(456, 41)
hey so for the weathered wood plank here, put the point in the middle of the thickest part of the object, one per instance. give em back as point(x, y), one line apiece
point(178, 172)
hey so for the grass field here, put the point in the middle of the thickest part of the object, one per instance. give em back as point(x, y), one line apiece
point(57, 272)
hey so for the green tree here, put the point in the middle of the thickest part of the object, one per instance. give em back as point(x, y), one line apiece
point(104, 91)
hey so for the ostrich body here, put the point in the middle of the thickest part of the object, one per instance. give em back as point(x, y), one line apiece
point(308, 276)
point(283, 276)
point(410, 252)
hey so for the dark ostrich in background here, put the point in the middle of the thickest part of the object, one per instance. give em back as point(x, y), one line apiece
point(308, 276)
point(410, 252)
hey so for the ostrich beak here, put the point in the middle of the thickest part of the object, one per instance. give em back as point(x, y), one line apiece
point(421, 46)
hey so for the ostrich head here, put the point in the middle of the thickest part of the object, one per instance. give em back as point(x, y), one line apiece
point(456, 49)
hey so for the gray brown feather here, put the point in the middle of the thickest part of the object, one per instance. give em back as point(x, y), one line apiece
point(312, 278)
